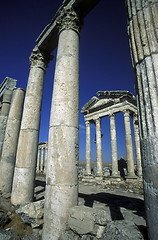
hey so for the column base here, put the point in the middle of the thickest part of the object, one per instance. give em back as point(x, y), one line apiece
point(131, 177)
point(98, 177)
point(115, 178)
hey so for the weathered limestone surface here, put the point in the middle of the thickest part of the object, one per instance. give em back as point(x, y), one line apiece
point(6, 91)
point(11, 140)
point(129, 148)
point(143, 35)
point(99, 147)
point(24, 175)
point(113, 146)
point(61, 169)
point(88, 148)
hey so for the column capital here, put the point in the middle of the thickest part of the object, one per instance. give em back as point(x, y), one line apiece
point(135, 116)
point(87, 123)
point(126, 113)
point(97, 120)
point(68, 19)
point(39, 59)
point(112, 115)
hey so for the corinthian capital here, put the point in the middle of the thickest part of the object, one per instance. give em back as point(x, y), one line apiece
point(39, 58)
point(68, 19)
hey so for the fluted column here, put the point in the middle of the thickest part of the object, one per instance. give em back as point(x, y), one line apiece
point(137, 145)
point(143, 35)
point(61, 168)
point(88, 148)
point(129, 147)
point(99, 147)
point(7, 96)
point(11, 141)
point(24, 175)
point(113, 146)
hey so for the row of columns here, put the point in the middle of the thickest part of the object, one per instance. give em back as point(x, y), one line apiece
point(61, 189)
point(129, 147)
point(20, 163)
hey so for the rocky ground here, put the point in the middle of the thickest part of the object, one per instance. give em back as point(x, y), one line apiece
point(117, 211)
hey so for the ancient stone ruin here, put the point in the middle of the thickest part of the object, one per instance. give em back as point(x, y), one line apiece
point(109, 104)
point(61, 196)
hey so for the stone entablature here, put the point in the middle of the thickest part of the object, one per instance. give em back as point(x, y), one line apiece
point(108, 103)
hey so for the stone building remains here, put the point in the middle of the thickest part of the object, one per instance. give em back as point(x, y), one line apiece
point(62, 186)
point(109, 104)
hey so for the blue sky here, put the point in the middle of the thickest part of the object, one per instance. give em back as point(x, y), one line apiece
point(104, 57)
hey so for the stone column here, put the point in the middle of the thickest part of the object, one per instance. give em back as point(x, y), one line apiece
point(137, 145)
point(11, 141)
point(113, 146)
point(42, 159)
point(143, 35)
point(99, 147)
point(7, 96)
point(88, 148)
point(45, 160)
point(24, 175)
point(129, 147)
point(61, 168)
point(38, 160)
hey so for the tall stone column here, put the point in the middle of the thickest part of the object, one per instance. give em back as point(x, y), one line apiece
point(143, 34)
point(42, 159)
point(113, 146)
point(61, 168)
point(88, 148)
point(24, 174)
point(7, 96)
point(38, 160)
point(99, 147)
point(137, 145)
point(11, 141)
point(129, 147)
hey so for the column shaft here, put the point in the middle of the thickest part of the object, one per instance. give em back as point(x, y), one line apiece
point(129, 147)
point(61, 169)
point(88, 148)
point(42, 160)
point(113, 146)
point(38, 160)
point(143, 34)
point(24, 175)
point(11, 141)
point(99, 148)
point(7, 96)
point(137, 146)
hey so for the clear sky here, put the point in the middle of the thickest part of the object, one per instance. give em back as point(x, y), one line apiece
point(104, 57)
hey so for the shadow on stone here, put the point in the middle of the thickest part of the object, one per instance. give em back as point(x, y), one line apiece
point(115, 202)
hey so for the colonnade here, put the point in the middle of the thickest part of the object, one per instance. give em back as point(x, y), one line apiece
point(113, 140)
point(61, 169)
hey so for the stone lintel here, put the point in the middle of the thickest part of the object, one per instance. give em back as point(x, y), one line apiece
point(48, 39)
point(114, 94)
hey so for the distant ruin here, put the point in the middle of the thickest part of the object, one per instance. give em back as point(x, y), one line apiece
point(62, 185)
